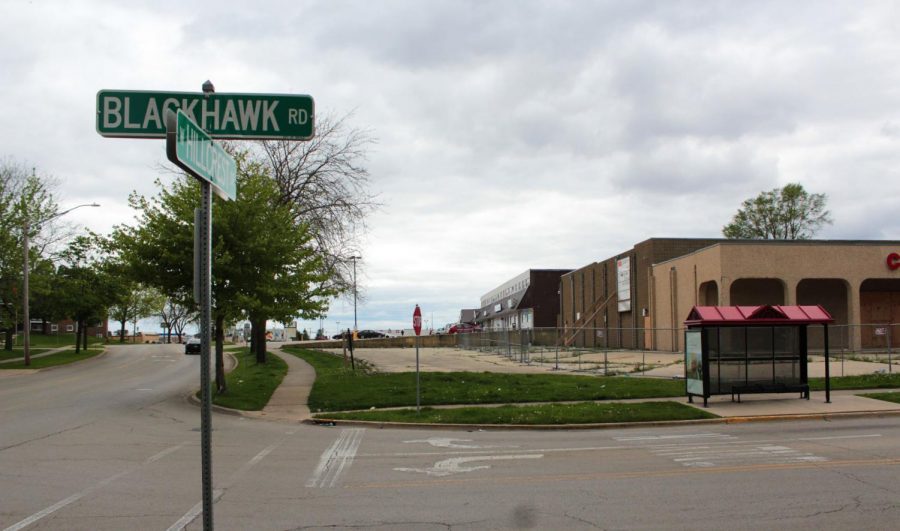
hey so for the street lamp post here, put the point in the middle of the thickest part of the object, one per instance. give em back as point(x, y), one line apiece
point(354, 258)
point(26, 318)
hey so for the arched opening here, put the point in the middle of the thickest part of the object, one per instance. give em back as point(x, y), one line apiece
point(757, 291)
point(832, 294)
point(879, 307)
point(708, 293)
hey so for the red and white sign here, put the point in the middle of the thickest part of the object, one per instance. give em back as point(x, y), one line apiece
point(417, 320)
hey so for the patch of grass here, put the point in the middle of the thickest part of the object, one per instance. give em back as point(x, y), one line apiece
point(55, 340)
point(60, 358)
point(250, 384)
point(337, 388)
point(864, 381)
point(887, 397)
point(19, 352)
point(547, 414)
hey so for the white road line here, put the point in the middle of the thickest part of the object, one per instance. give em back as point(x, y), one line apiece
point(709, 456)
point(671, 437)
point(497, 451)
point(454, 465)
point(336, 458)
point(195, 511)
point(78, 495)
point(839, 437)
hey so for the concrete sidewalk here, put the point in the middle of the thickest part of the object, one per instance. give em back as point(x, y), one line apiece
point(42, 354)
point(289, 401)
point(788, 405)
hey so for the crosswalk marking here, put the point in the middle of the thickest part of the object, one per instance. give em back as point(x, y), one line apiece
point(703, 450)
point(336, 458)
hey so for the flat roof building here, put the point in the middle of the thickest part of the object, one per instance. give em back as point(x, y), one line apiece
point(528, 300)
point(640, 298)
point(855, 281)
point(607, 303)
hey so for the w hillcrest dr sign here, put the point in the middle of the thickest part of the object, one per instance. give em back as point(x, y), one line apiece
point(141, 114)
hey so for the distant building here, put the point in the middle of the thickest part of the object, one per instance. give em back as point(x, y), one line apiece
point(66, 326)
point(529, 300)
point(467, 316)
point(607, 303)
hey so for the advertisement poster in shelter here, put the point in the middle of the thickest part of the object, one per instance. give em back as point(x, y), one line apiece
point(693, 362)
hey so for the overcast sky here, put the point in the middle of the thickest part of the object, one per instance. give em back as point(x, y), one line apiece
point(510, 134)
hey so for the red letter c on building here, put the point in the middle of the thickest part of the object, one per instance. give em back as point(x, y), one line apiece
point(893, 261)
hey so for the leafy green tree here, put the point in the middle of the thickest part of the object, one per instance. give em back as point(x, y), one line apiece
point(175, 317)
point(134, 302)
point(84, 287)
point(23, 195)
point(274, 272)
point(788, 213)
point(263, 267)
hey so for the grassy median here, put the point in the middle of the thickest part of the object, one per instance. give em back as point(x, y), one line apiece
point(338, 388)
point(887, 397)
point(863, 381)
point(543, 414)
point(251, 384)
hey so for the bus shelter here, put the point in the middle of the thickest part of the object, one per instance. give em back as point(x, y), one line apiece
point(751, 349)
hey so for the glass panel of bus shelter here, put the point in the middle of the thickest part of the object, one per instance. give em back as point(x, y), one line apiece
point(732, 357)
point(712, 353)
point(759, 355)
point(787, 354)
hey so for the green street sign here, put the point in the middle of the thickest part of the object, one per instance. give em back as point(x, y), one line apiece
point(141, 114)
point(194, 151)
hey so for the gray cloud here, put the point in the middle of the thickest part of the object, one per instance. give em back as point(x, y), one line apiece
point(512, 134)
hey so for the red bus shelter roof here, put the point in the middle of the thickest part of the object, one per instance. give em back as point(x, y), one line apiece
point(757, 315)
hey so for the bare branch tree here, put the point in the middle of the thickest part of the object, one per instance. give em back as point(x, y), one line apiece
point(175, 317)
point(325, 182)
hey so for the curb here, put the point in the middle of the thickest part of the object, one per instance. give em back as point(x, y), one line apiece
point(612, 425)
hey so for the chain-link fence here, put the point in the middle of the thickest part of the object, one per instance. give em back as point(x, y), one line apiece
point(560, 349)
point(629, 350)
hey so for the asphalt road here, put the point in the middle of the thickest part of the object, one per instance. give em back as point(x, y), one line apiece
point(113, 444)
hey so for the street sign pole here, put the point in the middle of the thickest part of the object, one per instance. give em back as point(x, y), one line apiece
point(417, 328)
point(417, 374)
point(191, 148)
point(205, 262)
point(189, 121)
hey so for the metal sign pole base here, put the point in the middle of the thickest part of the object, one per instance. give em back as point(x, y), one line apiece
point(205, 301)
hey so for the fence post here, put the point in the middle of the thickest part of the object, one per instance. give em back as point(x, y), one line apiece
point(506, 336)
point(890, 363)
point(557, 350)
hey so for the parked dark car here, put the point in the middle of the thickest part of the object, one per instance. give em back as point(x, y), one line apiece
point(339, 336)
point(370, 334)
point(192, 346)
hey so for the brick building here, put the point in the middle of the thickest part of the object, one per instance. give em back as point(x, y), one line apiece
point(640, 298)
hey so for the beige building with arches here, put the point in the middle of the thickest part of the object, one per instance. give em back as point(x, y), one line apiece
point(857, 282)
